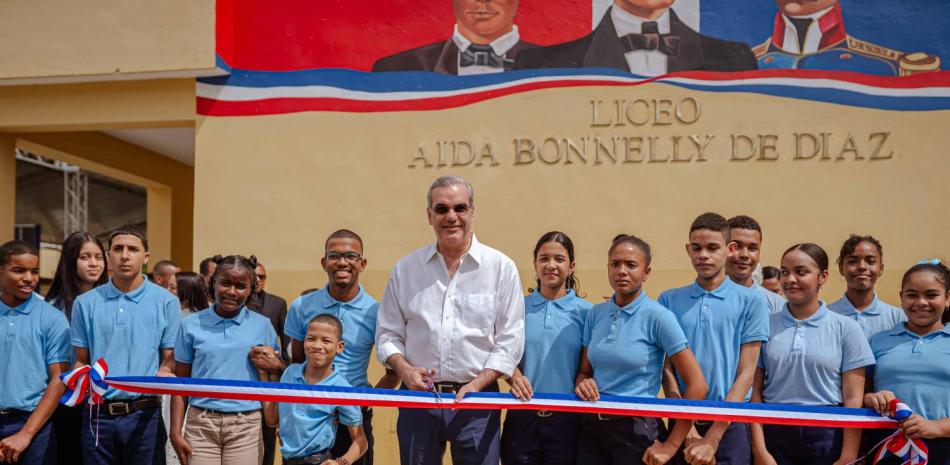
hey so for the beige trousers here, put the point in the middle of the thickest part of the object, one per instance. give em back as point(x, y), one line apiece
point(231, 439)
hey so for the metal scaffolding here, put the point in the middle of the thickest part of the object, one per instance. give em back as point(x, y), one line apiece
point(75, 191)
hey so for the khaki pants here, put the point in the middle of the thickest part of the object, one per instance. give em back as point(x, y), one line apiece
point(230, 439)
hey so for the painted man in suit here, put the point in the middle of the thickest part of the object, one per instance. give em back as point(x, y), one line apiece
point(485, 40)
point(646, 38)
point(810, 34)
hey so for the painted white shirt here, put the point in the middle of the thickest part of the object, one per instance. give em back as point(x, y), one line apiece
point(500, 46)
point(812, 37)
point(642, 63)
point(458, 325)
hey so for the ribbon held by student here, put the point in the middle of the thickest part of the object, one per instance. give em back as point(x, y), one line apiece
point(85, 380)
point(910, 451)
point(839, 417)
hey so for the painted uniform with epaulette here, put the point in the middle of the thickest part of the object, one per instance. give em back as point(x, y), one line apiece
point(819, 41)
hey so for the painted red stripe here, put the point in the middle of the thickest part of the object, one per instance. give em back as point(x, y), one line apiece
point(516, 406)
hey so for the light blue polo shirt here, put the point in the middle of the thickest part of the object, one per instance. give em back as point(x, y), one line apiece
point(804, 360)
point(627, 346)
point(359, 329)
point(306, 429)
point(916, 369)
point(877, 317)
point(35, 335)
point(716, 324)
point(554, 336)
point(126, 330)
point(217, 348)
point(776, 302)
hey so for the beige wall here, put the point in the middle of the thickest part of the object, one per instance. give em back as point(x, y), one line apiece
point(105, 39)
point(7, 186)
point(317, 172)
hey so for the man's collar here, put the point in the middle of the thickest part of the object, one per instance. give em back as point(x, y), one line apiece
point(475, 250)
point(500, 45)
point(626, 23)
point(695, 290)
point(136, 295)
point(327, 300)
point(25, 307)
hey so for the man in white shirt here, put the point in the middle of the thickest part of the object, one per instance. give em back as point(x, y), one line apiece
point(646, 38)
point(452, 315)
point(485, 40)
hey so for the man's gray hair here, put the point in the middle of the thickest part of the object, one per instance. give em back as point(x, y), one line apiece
point(446, 181)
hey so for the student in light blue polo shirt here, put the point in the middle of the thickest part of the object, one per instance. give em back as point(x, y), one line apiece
point(215, 344)
point(725, 324)
point(861, 263)
point(344, 298)
point(34, 351)
point(130, 323)
point(913, 362)
point(625, 343)
point(746, 233)
point(308, 431)
point(813, 357)
point(554, 333)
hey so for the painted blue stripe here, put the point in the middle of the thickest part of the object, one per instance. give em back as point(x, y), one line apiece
point(417, 81)
point(854, 412)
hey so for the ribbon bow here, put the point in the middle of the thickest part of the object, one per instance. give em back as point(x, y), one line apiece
point(911, 451)
point(85, 380)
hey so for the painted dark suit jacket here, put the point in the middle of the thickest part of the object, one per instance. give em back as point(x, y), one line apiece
point(441, 57)
point(602, 49)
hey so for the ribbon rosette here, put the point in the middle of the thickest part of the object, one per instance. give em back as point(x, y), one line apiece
point(911, 451)
point(85, 380)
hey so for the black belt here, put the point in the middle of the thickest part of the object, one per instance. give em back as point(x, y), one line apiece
point(9, 412)
point(317, 459)
point(125, 407)
point(448, 387)
point(221, 413)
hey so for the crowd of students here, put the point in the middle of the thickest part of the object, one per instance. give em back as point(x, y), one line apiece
point(723, 337)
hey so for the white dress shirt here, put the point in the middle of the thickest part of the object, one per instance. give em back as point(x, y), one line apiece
point(500, 46)
point(458, 325)
point(641, 62)
point(812, 37)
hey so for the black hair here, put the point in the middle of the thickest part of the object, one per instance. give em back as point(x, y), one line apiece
point(205, 265)
point(331, 320)
point(745, 222)
point(939, 270)
point(343, 234)
point(713, 222)
point(565, 240)
point(634, 241)
point(129, 230)
point(770, 272)
point(163, 263)
point(65, 286)
point(812, 250)
point(192, 292)
point(852, 242)
point(234, 261)
point(15, 247)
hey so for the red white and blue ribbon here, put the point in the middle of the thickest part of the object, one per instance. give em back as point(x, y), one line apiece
point(83, 381)
point(611, 405)
point(911, 451)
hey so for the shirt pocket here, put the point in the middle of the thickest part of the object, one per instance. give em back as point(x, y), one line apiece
point(477, 311)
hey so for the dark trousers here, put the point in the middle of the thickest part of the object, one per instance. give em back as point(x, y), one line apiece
point(938, 450)
point(617, 441)
point(735, 448)
point(67, 423)
point(343, 440)
point(134, 439)
point(269, 437)
point(42, 450)
point(474, 434)
point(803, 445)
point(550, 438)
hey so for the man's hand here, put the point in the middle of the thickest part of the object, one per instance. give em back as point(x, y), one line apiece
point(659, 453)
point(919, 427)
point(12, 446)
point(265, 358)
point(465, 389)
point(587, 390)
point(182, 449)
point(416, 378)
point(701, 452)
point(521, 386)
